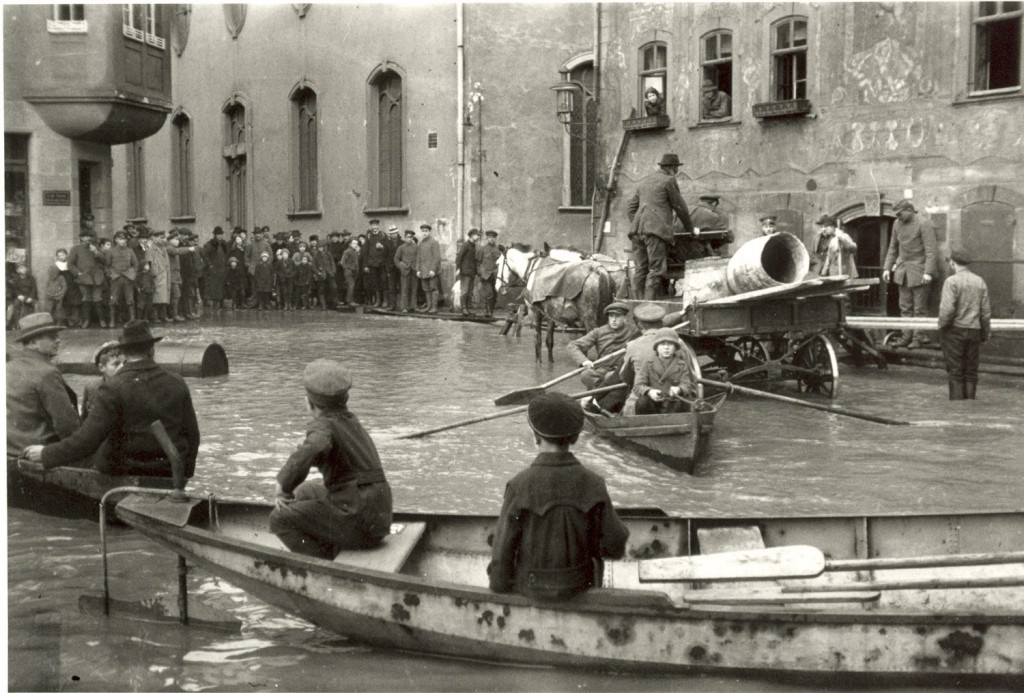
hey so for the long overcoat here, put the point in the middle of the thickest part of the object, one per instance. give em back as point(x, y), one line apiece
point(161, 265)
point(215, 252)
point(652, 205)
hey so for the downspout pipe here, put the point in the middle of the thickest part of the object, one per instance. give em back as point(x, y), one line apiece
point(595, 233)
point(460, 118)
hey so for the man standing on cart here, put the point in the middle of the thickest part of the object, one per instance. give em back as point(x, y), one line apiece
point(910, 263)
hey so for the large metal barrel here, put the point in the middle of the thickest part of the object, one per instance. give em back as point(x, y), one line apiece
point(766, 262)
point(187, 360)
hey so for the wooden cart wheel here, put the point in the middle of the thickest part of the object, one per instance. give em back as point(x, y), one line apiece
point(819, 357)
point(750, 353)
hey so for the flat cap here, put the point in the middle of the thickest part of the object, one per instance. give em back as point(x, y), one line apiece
point(617, 307)
point(903, 204)
point(409, 233)
point(666, 334)
point(555, 415)
point(826, 220)
point(768, 217)
point(327, 382)
point(960, 256)
point(104, 348)
point(710, 198)
point(649, 312)
point(491, 234)
point(473, 232)
point(426, 227)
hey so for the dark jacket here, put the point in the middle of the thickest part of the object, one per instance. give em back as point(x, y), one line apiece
point(556, 525)
point(263, 276)
point(215, 252)
point(465, 260)
point(600, 342)
point(122, 262)
point(487, 257)
point(661, 374)
point(405, 258)
point(912, 251)
point(126, 404)
point(86, 265)
point(372, 255)
point(145, 282)
point(651, 206)
point(41, 408)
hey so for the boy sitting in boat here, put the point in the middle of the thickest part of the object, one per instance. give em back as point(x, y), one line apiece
point(666, 379)
point(108, 359)
point(351, 508)
point(557, 522)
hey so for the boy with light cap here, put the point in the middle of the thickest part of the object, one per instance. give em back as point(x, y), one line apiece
point(351, 509)
point(557, 522)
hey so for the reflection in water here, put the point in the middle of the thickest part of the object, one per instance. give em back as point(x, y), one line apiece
point(411, 375)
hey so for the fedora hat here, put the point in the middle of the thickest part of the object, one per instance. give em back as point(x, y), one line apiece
point(36, 325)
point(137, 332)
point(669, 160)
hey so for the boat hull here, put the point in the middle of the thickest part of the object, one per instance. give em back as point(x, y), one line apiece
point(424, 609)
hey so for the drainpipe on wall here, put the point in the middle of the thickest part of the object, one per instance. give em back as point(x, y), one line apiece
point(460, 128)
point(596, 131)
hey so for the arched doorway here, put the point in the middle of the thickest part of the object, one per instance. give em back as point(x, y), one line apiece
point(871, 234)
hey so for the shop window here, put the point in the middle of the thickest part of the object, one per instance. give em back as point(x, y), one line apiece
point(997, 46)
point(386, 159)
point(136, 181)
point(304, 103)
point(143, 22)
point(716, 76)
point(789, 59)
point(67, 19)
point(15, 199)
point(581, 140)
point(182, 171)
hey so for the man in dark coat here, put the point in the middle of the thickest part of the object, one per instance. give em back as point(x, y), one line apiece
point(85, 261)
point(374, 254)
point(965, 322)
point(600, 342)
point(487, 256)
point(41, 408)
point(557, 522)
point(215, 253)
point(650, 212)
point(350, 508)
point(910, 263)
point(117, 433)
point(466, 267)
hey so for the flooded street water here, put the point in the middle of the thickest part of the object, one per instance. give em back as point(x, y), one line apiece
point(411, 374)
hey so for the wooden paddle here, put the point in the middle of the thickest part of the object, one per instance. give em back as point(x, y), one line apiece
point(526, 394)
point(507, 412)
point(731, 387)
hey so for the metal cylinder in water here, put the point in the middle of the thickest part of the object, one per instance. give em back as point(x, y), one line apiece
point(766, 262)
point(187, 360)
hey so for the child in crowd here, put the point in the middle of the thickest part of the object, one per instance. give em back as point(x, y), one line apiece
point(57, 277)
point(24, 293)
point(106, 245)
point(302, 252)
point(665, 379)
point(284, 277)
point(350, 265)
point(145, 283)
point(234, 283)
point(263, 282)
point(122, 266)
point(108, 359)
point(303, 280)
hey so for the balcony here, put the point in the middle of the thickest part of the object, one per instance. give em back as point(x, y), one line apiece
point(657, 122)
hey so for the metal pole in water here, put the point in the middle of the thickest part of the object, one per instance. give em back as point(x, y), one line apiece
point(177, 496)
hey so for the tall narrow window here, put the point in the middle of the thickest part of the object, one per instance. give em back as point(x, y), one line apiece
point(143, 22)
point(236, 163)
point(997, 46)
point(789, 59)
point(16, 226)
point(388, 88)
point(181, 166)
point(653, 79)
point(582, 138)
point(716, 76)
point(136, 181)
point(307, 190)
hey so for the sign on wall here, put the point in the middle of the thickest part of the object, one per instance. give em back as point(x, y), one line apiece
point(56, 198)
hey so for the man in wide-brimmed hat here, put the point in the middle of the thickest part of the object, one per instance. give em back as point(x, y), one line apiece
point(650, 212)
point(117, 435)
point(41, 408)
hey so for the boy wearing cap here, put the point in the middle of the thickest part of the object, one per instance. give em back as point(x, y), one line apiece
point(351, 507)
point(557, 521)
point(234, 283)
point(965, 322)
point(487, 256)
point(374, 254)
point(145, 284)
point(263, 282)
point(598, 343)
point(85, 261)
point(108, 359)
point(665, 379)
point(41, 408)
point(910, 263)
point(284, 279)
point(350, 266)
point(122, 266)
point(466, 266)
point(648, 318)
point(405, 261)
point(768, 225)
point(428, 266)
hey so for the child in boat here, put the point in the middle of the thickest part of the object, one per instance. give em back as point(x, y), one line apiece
point(108, 359)
point(666, 379)
point(351, 507)
point(557, 522)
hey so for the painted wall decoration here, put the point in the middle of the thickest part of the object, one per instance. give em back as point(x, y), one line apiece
point(888, 72)
point(880, 137)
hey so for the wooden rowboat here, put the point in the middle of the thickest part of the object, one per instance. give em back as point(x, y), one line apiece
point(681, 441)
point(424, 590)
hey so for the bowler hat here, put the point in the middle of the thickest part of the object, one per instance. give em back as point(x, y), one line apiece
point(36, 325)
point(903, 204)
point(669, 160)
point(334, 234)
point(617, 307)
point(426, 227)
point(314, 237)
point(295, 232)
point(555, 415)
point(474, 232)
point(327, 382)
point(144, 232)
point(137, 332)
point(218, 231)
point(825, 220)
point(104, 348)
point(649, 312)
point(666, 334)
point(960, 256)
point(491, 234)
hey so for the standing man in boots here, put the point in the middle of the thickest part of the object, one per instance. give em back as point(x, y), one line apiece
point(487, 256)
point(405, 261)
point(965, 322)
point(392, 278)
point(374, 253)
point(122, 265)
point(85, 261)
point(466, 266)
point(910, 263)
point(428, 266)
point(650, 212)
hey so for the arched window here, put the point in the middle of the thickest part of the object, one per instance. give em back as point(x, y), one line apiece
point(181, 166)
point(386, 164)
point(716, 75)
point(789, 59)
point(653, 75)
point(581, 140)
point(304, 105)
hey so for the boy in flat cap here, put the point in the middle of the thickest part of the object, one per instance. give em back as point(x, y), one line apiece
point(487, 256)
point(557, 522)
point(768, 225)
point(428, 266)
point(910, 263)
point(965, 321)
point(405, 262)
point(600, 342)
point(466, 266)
point(351, 508)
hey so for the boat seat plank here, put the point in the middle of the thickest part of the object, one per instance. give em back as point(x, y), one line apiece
point(651, 430)
point(390, 555)
point(745, 597)
point(723, 539)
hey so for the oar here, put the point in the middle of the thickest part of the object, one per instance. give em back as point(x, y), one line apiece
point(526, 394)
point(177, 496)
point(507, 412)
point(731, 387)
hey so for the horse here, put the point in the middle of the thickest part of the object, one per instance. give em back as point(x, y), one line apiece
point(573, 292)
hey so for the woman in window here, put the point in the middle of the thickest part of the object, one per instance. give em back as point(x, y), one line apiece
point(653, 103)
